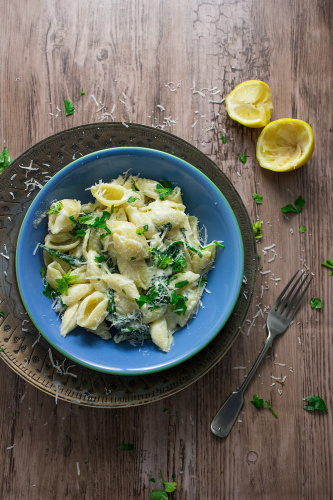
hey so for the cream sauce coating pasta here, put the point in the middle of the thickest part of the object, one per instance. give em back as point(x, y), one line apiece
point(129, 262)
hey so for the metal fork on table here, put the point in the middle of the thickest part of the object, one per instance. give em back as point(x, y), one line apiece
point(278, 320)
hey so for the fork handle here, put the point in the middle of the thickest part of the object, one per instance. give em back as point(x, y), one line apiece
point(226, 416)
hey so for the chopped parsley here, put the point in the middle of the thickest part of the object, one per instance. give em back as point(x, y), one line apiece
point(316, 403)
point(133, 258)
point(299, 204)
point(257, 229)
point(49, 292)
point(69, 108)
point(40, 405)
point(202, 281)
point(242, 158)
point(2, 349)
point(90, 220)
point(259, 258)
point(178, 303)
point(123, 291)
point(126, 447)
point(166, 226)
point(163, 189)
point(142, 231)
point(181, 284)
point(169, 487)
point(112, 208)
point(329, 264)
point(158, 495)
point(165, 409)
point(315, 303)
point(131, 199)
point(55, 208)
point(74, 221)
point(259, 403)
point(223, 139)
point(2, 314)
point(152, 480)
point(214, 244)
point(82, 93)
point(258, 199)
point(302, 229)
point(42, 272)
point(65, 281)
point(5, 159)
point(100, 259)
point(134, 188)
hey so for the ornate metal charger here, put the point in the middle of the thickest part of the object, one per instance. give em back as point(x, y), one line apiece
point(25, 351)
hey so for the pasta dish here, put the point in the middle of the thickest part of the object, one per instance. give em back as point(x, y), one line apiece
point(131, 263)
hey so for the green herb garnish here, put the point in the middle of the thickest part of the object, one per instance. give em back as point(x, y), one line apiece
point(42, 272)
point(55, 208)
point(158, 495)
point(257, 229)
point(181, 284)
point(152, 480)
point(126, 447)
point(164, 189)
point(165, 409)
point(2, 314)
point(259, 403)
point(242, 158)
point(69, 108)
point(100, 259)
point(302, 229)
point(258, 199)
point(259, 258)
point(316, 403)
point(315, 303)
point(5, 159)
point(131, 199)
point(202, 281)
point(329, 264)
point(169, 487)
point(142, 231)
point(2, 349)
point(299, 204)
point(112, 208)
point(134, 188)
point(214, 244)
point(133, 258)
point(223, 139)
point(82, 93)
point(74, 221)
point(65, 281)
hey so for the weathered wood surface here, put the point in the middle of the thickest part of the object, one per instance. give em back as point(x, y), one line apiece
point(52, 50)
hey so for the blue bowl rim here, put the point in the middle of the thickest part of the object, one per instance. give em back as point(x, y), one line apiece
point(104, 152)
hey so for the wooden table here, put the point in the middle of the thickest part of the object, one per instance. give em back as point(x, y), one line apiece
point(50, 51)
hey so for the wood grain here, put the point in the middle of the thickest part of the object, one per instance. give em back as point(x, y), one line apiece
point(57, 49)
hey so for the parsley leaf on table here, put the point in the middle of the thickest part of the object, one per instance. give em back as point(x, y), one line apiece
point(257, 229)
point(329, 264)
point(258, 199)
point(242, 158)
point(223, 139)
point(259, 403)
point(55, 208)
point(158, 495)
point(169, 487)
point(42, 272)
point(315, 303)
point(126, 447)
point(299, 204)
point(69, 108)
point(2, 314)
point(82, 93)
point(5, 159)
point(302, 229)
point(316, 403)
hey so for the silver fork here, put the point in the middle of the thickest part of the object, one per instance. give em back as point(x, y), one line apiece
point(278, 320)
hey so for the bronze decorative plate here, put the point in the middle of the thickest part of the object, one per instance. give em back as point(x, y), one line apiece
point(25, 350)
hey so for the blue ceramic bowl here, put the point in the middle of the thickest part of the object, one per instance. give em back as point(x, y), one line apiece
point(201, 198)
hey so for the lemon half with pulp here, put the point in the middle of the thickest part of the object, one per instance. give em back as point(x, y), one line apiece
point(250, 103)
point(285, 145)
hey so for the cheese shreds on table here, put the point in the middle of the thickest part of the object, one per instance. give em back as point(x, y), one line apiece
point(78, 468)
point(270, 247)
point(265, 272)
point(10, 447)
point(239, 367)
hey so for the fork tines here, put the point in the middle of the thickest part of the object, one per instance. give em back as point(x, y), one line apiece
point(289, 301)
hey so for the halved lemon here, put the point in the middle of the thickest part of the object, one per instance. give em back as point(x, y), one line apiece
point(250, 103)
point(285, 145)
